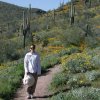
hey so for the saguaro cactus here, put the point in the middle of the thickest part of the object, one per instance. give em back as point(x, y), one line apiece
point(8, 26)
point(54, 15)
point(26, 25)
point(88, 30)
point(47, 21)
point(0, 30)
point(85, 1)
point(24, 30)
point(88, 2)
point(72, 13)
point(29, 23)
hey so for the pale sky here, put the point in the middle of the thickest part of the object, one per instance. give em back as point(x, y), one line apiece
point(42, 4)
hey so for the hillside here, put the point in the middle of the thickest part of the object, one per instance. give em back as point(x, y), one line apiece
point(11, 13)
point(69, 36)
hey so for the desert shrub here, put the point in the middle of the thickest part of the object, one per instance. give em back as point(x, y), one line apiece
point(73, 49)
point(62, 80)
point(62, 96)
point(95, 53)
point(63, 52)
point(48, 34)
point(49, 61)
point(12, 49)
point(96, 61)
point(92, 75)
point(72, 82)
point(43, 37)
point(69, 50)
point(77, 62)
point(10, 79)
point(89, 14)
point(79, 94)
point(72, 35)
point(56, 43)
point(91, 42)
point(11, 52)
point(59, 80)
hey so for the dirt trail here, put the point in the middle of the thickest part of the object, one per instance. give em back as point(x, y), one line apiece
point(41, 92)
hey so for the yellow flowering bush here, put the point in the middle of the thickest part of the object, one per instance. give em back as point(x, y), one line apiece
point(2, 67)
point(97, 16)
point(98, 26)
point(63, 59)
point(77, 62)
point(51, 39)
point(68, 51)
point(55, 49)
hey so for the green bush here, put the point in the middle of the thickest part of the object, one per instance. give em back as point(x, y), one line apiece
point(56, 43)
point(79, 94)
point(45, 35)
point(92, 75)
point(49, 61)
point(9, 49)
point(96, 61)
point(10, 79)
point(91, 42)
point(69, 51)
point(77, 62)
point(95, 53)
point(72, 35)
point(59, 81)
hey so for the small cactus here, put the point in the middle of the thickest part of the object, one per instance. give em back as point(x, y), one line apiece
point(1, 30)
point(87, 1)
point(88, 30)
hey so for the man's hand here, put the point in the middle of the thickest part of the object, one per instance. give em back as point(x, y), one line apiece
point(28, 73)
point(39, 75)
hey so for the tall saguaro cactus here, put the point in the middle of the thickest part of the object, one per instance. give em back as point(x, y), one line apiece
point(29, 12)
point(54, 15)
point(72, 13)
point(26, 25)
point(47, 21)
point(24, 31)
point(90, 3)
point(29, 23)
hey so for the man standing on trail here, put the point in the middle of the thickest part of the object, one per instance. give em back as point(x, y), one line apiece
point(32, 67)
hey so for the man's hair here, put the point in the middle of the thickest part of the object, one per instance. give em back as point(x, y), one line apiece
point(33, 46)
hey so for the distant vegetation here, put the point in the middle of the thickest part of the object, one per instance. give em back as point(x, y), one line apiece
point(69, 36)
point(11, 17)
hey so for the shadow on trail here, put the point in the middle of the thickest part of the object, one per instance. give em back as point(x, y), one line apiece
point(45, 72)
point(50, 95)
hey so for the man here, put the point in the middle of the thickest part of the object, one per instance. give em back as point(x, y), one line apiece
point(32, 67)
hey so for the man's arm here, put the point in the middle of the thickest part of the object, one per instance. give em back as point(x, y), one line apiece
point(26, 64)
point(38, 65)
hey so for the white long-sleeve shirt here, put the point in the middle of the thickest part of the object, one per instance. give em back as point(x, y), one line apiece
point(32, 63)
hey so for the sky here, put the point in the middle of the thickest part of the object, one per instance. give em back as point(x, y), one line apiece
point(42, 4)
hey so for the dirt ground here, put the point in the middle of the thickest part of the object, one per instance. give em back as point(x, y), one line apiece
point(41, 92)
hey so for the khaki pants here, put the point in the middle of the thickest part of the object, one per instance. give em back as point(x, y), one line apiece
point(31, 89)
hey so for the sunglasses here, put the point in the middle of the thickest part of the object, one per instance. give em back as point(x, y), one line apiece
point(32, 48)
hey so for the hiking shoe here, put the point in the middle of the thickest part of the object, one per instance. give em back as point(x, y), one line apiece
point(29, 97)
point(32, 97)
